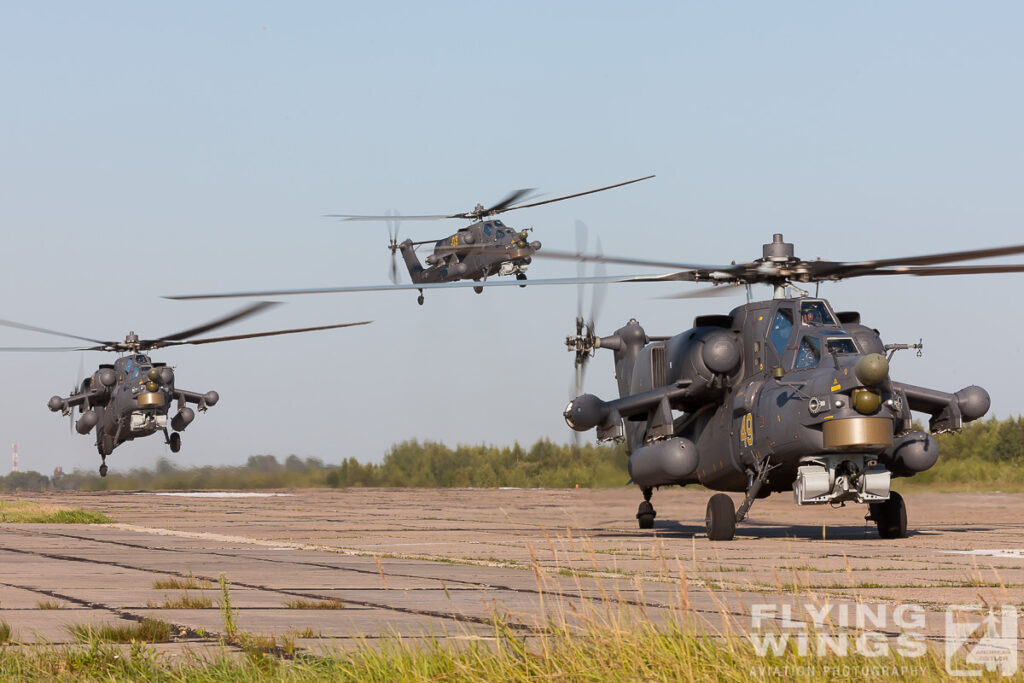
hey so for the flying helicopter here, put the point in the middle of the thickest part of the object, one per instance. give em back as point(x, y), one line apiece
point(131, 397)
point(476, 252)
point(779, 395)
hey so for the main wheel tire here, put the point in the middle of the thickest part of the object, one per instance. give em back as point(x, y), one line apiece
point(891, 517)
point(103, 470)
point(175, 442)
point(478, 290)
point(645, 515)
point(419, 299)
point(721, 518)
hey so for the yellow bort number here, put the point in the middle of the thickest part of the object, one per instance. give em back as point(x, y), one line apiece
point(747, 430)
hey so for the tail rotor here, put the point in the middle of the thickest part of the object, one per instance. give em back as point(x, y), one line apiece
point(585, 340)
point(393, 224)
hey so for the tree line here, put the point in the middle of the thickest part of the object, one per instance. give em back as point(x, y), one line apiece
point(990, 451)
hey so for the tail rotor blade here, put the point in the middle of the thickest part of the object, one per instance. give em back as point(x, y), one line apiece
point(600, 290)
point(74, 390)
point(581, 248)
point(393, 227)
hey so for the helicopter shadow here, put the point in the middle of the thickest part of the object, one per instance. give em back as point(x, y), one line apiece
point(672, 529)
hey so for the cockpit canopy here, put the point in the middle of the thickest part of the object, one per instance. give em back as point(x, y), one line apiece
point(133, 367)
point(814, 331)
point(815, 312)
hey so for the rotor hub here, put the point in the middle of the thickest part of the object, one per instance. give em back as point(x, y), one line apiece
point(778, 251)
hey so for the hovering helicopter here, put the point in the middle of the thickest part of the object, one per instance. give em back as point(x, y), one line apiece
point(778, 395)
point(484, 248)
point(131, 397)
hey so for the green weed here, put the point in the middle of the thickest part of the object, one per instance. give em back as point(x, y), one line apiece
point(226, 613)
point(184, 601)
point(23, 512)
point(147, 630)
point(315, 604)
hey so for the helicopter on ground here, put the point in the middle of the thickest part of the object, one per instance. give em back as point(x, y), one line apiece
point(778, 395)
point(476, 252)
point(131, 397)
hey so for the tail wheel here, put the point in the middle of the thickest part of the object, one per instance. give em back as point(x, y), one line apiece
point(891, 517)
point(175, 442)
point(721, 518)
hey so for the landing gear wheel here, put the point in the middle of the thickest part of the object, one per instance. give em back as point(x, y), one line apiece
point(419, 299)
point(103, 470)
point(478, 290)
point(174, 442)
point(522, 276)
point(890, 516)
point(721, 518)
point(645, 515)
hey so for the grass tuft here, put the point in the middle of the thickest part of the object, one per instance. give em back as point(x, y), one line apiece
point(49, 604)
point(21, 512)
point(147, 630)
point(5, 631)
point(315, 604)
point(184, 601)
point(257, 645)
point(186, 584)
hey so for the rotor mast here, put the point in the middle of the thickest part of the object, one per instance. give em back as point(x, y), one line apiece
point(778, 253)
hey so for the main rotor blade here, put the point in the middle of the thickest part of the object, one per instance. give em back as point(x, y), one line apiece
point(33, 328)
point(357, 217)
point(666, 277)
point(34, 349)
point(211, 340)
point(240, 314)
point(512, 198)
point(715, 290)
point(624, 261)
point(950, 270)
point(578, 194)
point(923, 260)
point(502, 206)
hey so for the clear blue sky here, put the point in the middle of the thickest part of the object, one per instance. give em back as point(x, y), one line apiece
point(150, 149)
